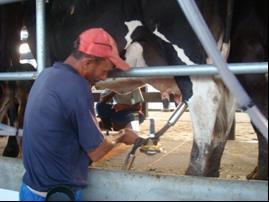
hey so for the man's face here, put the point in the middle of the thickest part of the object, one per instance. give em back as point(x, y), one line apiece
point(98, 70)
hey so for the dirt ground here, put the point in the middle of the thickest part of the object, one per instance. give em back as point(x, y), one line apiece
point(239, 158)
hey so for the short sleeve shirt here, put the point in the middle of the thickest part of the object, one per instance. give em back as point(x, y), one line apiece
point(59, 129)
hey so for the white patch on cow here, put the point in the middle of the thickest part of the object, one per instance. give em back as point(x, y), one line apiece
point(203, 111)
point(203, 103)
point(132, 26)
point(180, 52)
point(225, 50)
point(160, 35)
point(212, 109)
point(134, 55)
point(183, 57)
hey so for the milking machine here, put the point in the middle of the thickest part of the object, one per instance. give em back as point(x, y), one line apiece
point(151, 146)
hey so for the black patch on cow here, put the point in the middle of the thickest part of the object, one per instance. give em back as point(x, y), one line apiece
point(185, 85)
point(157, 52)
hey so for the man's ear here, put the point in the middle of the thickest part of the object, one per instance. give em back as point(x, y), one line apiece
point(85, 61)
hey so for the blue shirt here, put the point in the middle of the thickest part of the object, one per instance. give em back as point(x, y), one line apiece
point(59, 129)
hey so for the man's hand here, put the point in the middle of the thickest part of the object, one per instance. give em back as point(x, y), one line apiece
point(128, 136)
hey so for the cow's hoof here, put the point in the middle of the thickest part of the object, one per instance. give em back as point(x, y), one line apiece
point(255, 175)
point(193, 172)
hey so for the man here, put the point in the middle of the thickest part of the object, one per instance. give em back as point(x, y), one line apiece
point(120, 111)
point(61, 137)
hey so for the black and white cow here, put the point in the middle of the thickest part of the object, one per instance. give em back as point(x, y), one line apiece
point(150, 32)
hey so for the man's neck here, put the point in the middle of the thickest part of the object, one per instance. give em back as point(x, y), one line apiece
point(73, 63)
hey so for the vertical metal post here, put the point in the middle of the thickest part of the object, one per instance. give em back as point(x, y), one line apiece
point(40, 35)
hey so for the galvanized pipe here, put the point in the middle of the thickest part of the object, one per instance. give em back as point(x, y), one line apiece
point(173, 119)
point(9, 1)
point(191, 70)
point(6, 130)
point(161, 71)
point(40, 35)
point(16, 76)
point(201, 29)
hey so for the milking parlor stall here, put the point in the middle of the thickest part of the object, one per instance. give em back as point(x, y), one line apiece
point(154, 168)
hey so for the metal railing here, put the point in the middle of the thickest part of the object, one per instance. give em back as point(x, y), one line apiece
point(9, 1)
point(191, 70)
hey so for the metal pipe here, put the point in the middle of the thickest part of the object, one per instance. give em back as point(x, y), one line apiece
point(6, 130)
point(152, 128)
point(199, 25)
point(162, 71)
point(14, 76)
point(9, 1)
point(190, 70)
point(40, 35)
point(181, 108)
point(173, 119)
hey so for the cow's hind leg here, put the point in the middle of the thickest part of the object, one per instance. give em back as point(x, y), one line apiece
point(12, 148)
point(222, 130)
point(261, 170)
point(260, 98)
point(212, 113)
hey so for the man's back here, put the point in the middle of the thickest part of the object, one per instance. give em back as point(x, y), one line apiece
point(52, 132)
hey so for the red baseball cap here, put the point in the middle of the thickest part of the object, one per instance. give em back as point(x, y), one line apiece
point(97, 42)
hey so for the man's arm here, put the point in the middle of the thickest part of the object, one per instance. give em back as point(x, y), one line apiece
point(129, 137)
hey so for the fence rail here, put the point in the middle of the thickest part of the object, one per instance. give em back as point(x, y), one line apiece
point(162, 71)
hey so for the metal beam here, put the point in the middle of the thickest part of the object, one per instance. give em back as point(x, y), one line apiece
point(191, 70)
point(161, 71)
point(12, 76)
point(40, 35)
point(105, 185)
point(9, 1)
